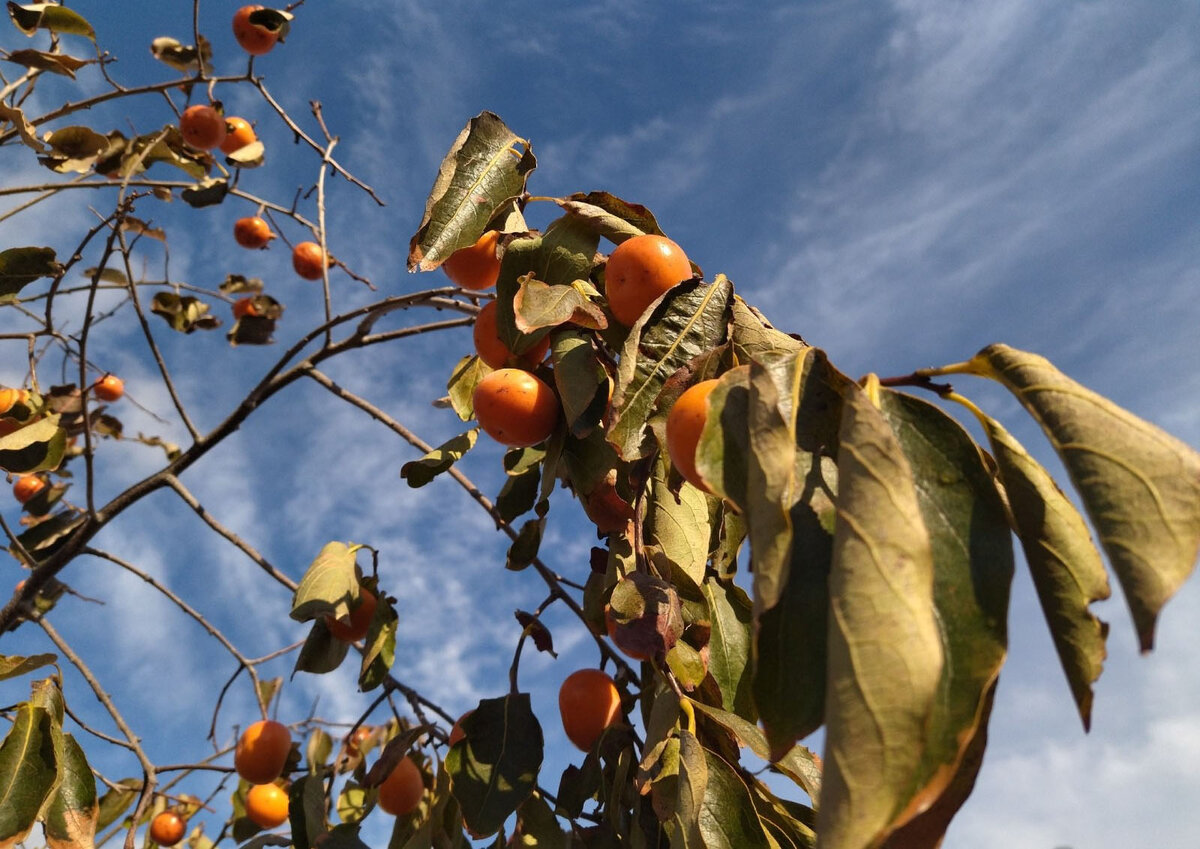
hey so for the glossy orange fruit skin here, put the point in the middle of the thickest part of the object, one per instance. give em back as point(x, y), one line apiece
point(255, 40)
point(238, 134)
point(167, 828)
point(10, 397)
point(589, 703)
point(639, 270)
point(252, 232)
point(109, 388)
point(401, 792)
point(685, 423)
point(477, 267)
point(309, 260)
point(360, 619)
point(515, 408)
point(27, 486)
point(267, 805)
point(491, 348)
point(262, 751)
point(202, 126)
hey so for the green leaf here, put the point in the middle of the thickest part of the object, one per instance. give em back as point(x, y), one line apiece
point(1067, 571)
point(539, 305)
point(537, 826)
point(48, 536)
point(525, 547)
point(322, 652)
point(70, 817)
point(1139, 484)
point(581, 380)
point(971, 542)
point(728, 819)
point(183, 313)
point(798, 764)
point(306, 810)
point(379, 650)
point(885, 654)
point(440, 459)
point(754, 339)
point(609, 216)
point(318, 749)
point(76, 149)
point(688, 804)
point(729, 646)
point(595, 472)
point(21, 266)
point(12, 666)
point(486, 166)
point(116, 801)
point(522, 482)
point(495, 769)
point(28, 770)
point(690, 320)
point(330, 584)
point(461, 386)
point(676, 529)
point(723, 453)
point(59, 19)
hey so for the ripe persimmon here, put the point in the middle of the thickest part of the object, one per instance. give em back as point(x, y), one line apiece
point(27, 486)
point(262, 751)
point(202, 126)
point(10, 397)
point(515, 408)
point(252, 232)
point(476, 267)
point(167, 828)
point(255, 39)
point(685, 423)
point(360, 619)
point(309, 260)
point(401, 792)
point(639, 270)
point(589, 703)
point(267, 805)
point(238, 134)
point(109, 388)
point(491, 348)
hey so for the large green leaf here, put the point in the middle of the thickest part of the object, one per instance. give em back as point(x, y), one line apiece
point(495, 768)
point(581, 380)
point(486, 166)
point(37, 447)
point(28, 771)
point(885, 654)
point(729, 646)
point(690, 320)
point(973, 565)
point(1066, 567)
point(728, 819)
point(1139, 484)
point(330, 584)
point(676, 529)
point(21, 266)
point(70, 817)
point(379, 648)
point(33, 16)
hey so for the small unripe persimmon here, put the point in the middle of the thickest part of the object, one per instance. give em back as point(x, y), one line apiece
point(685, 423)
point(310, 261)
point(515, 408)
point(252, 232)
point(202, 126)
point(109, 388)
point(238, 134)
point(27, 486)
point(491, 348)
point(262, 751)
point(255, 39)
point(475, 267)
point(167, 828)
point(639, 270)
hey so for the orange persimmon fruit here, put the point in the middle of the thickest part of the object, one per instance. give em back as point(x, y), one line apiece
point(202, 126)
point(685, 423)
point(401, 792)
point(588, 702)
point(255, 39)
point(491, 348)
point(262, 751)
point(639, 270)
point(476, 267)
point(515, 408)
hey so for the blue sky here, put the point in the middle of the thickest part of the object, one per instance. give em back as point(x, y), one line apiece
point(900, 182)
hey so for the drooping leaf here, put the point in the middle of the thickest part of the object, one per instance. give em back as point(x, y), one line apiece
point(208, 192)
point(525, 547)
point(13, 115)
point(486, 166)
point(70, 817)
point(755, 339)
point(728, 819)
point(12, 666)
point(34, 16)
point(788, 824)
point(379, 651)
point(885, 653)
point(306, 810)
point(676, 529)
point(729, 647)
point(252, 330)
point(973, 565)
point(55, 63)
point(581, 380)
point(441, 459)
point(1068, 573)
point(1139, 484)
point(47, 536)
point(463, 379)
point(690, 320)
point(116, 801)
point(595, 473)
point(609, 216)
point(495, 768)
point(37, 447)
point(322, 652)
point(523, 478)
point(537, 826)
point(330, 584)
point(28, 770)
point(184, 313)
point(21, 266)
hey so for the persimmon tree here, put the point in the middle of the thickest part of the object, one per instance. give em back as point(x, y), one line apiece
point(877, 534)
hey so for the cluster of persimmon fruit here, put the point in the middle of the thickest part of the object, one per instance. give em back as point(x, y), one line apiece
point(108, 388)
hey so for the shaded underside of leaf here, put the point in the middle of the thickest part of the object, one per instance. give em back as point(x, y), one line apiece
point(885, 653)
point(70, 818)
point(1139, 484)
point(1067, 571)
